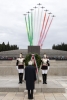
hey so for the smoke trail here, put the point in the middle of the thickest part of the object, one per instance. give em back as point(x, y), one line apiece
point(46, 32)
point(44, 29)
point(27, 28)
point(40, 20)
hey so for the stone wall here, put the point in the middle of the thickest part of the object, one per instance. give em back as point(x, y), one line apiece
point(57, 68)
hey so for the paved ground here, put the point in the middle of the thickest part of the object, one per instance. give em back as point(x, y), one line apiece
point(13, 80)
point(37, 96)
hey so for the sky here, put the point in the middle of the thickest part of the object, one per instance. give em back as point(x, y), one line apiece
point(13, 28)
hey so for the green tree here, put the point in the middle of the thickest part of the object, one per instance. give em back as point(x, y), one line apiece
point(6, 47)
point(61, 46)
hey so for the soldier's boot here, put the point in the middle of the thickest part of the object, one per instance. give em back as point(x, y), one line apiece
point(45, 78)
point(21, 77)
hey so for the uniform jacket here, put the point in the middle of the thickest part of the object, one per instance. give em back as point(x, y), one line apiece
point(20, 63)
point(44, 64)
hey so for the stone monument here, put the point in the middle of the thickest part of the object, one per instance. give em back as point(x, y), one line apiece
point(34, 49)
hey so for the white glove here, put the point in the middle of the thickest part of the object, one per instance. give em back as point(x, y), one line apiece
point(17, 67)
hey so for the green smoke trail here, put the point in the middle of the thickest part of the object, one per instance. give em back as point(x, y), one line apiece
point(30, 29)
point(27, 22)
point(27, 28)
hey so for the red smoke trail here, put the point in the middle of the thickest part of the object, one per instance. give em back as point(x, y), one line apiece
point(46, 32)
point(42, 27)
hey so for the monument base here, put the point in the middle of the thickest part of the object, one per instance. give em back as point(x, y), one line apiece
point(34, 50)
point(54, 85)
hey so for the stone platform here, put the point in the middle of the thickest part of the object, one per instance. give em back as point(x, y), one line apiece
point(55, 85)
point(58, 68)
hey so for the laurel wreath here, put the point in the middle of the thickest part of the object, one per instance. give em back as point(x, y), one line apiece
point(37, 58)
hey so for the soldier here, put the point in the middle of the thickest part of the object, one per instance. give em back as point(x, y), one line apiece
point(44, 67)
point(48, 62)
point(20, 67)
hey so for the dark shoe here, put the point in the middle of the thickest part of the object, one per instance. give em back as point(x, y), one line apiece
point(45, 82)
point(29, 98)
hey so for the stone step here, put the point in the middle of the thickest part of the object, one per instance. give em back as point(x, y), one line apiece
point(45, 88)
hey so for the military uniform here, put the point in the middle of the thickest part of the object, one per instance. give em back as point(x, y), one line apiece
point(20, 68)
point(44, 69)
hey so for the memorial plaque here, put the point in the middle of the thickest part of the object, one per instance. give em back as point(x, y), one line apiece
point(34, 49)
